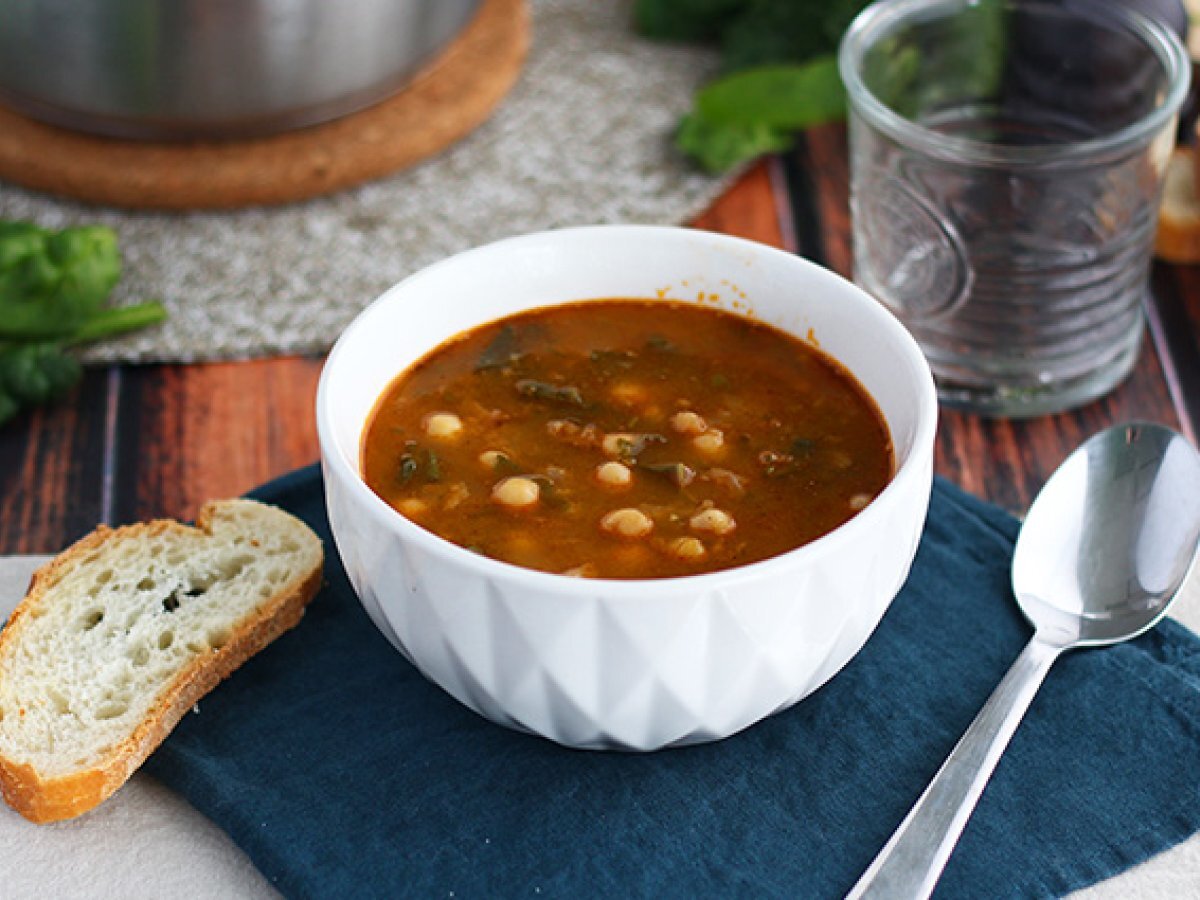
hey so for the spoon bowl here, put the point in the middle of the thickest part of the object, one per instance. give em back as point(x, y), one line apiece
point(1102, 554)
point(1109, 540)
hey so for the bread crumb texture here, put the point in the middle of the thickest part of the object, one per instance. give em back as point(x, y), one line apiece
point(113, 643)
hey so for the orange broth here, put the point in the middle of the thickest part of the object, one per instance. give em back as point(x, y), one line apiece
point(627, 439)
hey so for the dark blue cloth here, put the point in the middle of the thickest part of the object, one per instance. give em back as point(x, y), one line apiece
point(343, 773)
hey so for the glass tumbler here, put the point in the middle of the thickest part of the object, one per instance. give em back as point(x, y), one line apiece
point(1007, 159)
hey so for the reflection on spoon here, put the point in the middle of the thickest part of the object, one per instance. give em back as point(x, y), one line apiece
point(1102, 554)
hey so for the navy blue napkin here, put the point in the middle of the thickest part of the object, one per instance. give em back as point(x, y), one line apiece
point(343, 773)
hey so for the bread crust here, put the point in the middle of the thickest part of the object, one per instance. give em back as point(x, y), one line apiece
point(1178, 237)
point(44, 800)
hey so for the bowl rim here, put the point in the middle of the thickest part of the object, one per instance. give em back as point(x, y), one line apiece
point(336, 465)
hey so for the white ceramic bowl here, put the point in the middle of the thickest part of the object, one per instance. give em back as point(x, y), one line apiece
point(639, 664)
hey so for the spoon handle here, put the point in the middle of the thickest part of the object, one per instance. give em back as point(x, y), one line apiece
point(911, 862)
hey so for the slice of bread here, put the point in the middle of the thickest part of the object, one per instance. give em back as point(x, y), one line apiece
point(122, 633)
point(1178, 237)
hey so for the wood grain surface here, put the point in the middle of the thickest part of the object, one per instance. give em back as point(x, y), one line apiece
point(137, 442)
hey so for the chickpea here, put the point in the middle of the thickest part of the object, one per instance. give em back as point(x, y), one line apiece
point(688, 422)
point(492, 458)
point(729, 482)
point(715, 520)
point(614, 474)
point(627, 522)
point(561, 428)
point(688, 548)
point(516, 492)
point(457, 493)
point(442, 425)
point(840, 459)
point(573, 433)
point(617, 443)
point(628, 393)
point(711, 441)
point(583, 570)
point(860, 501)
point(413, 507)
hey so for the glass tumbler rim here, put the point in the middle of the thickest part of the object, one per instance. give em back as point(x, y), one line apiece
point(883, 16)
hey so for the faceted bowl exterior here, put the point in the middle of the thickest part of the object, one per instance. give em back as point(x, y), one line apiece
point(636, 664)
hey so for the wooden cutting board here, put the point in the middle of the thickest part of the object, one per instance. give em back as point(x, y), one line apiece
point(455, 94)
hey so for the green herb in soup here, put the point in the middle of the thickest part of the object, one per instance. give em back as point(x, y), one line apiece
point(627, 439)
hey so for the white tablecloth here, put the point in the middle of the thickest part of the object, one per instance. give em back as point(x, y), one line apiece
point(145, 842)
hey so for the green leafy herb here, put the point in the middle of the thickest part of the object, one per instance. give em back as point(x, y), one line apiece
point(779, 69)
point(551, 393)
point(549, 494)
point(628, 446)
point(686, 20)
point(785, 31)
point(8, 406)
point(677, 473)
point(416, 461)
point(504, 465)
point(803, 446)
point(778, 96)
point(619, 359)
point(433, 466)
point(777, 465)
point(53, 290)
point(719, 147)
point(36, 373)
point(408, 468)
point(756, 111)
point(119, 320)
point(500, 351)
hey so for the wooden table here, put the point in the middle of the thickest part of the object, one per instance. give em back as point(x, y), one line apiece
point(133, 442)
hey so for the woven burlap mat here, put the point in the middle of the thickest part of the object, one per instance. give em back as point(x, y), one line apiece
point(584, 137)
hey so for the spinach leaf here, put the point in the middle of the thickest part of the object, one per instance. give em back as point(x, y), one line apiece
point(677, 473)
point(779, 60)
point(111, 322)
point(500, 351)
point(750, 113)
point(786, 31)
point(52, 282)
point(779, 57)
point(53, 290)
point(717, 147)
point(686, 20)
point(8, 406)
point(31, 374)
point(407, 469)
point(550, 393)
point(781, 96)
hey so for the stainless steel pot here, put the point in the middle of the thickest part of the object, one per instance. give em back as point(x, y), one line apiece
point(181, 69)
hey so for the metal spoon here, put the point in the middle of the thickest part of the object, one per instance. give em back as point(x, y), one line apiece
point(1103, 552)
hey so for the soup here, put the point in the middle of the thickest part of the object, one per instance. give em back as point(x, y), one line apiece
point(627, 439)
